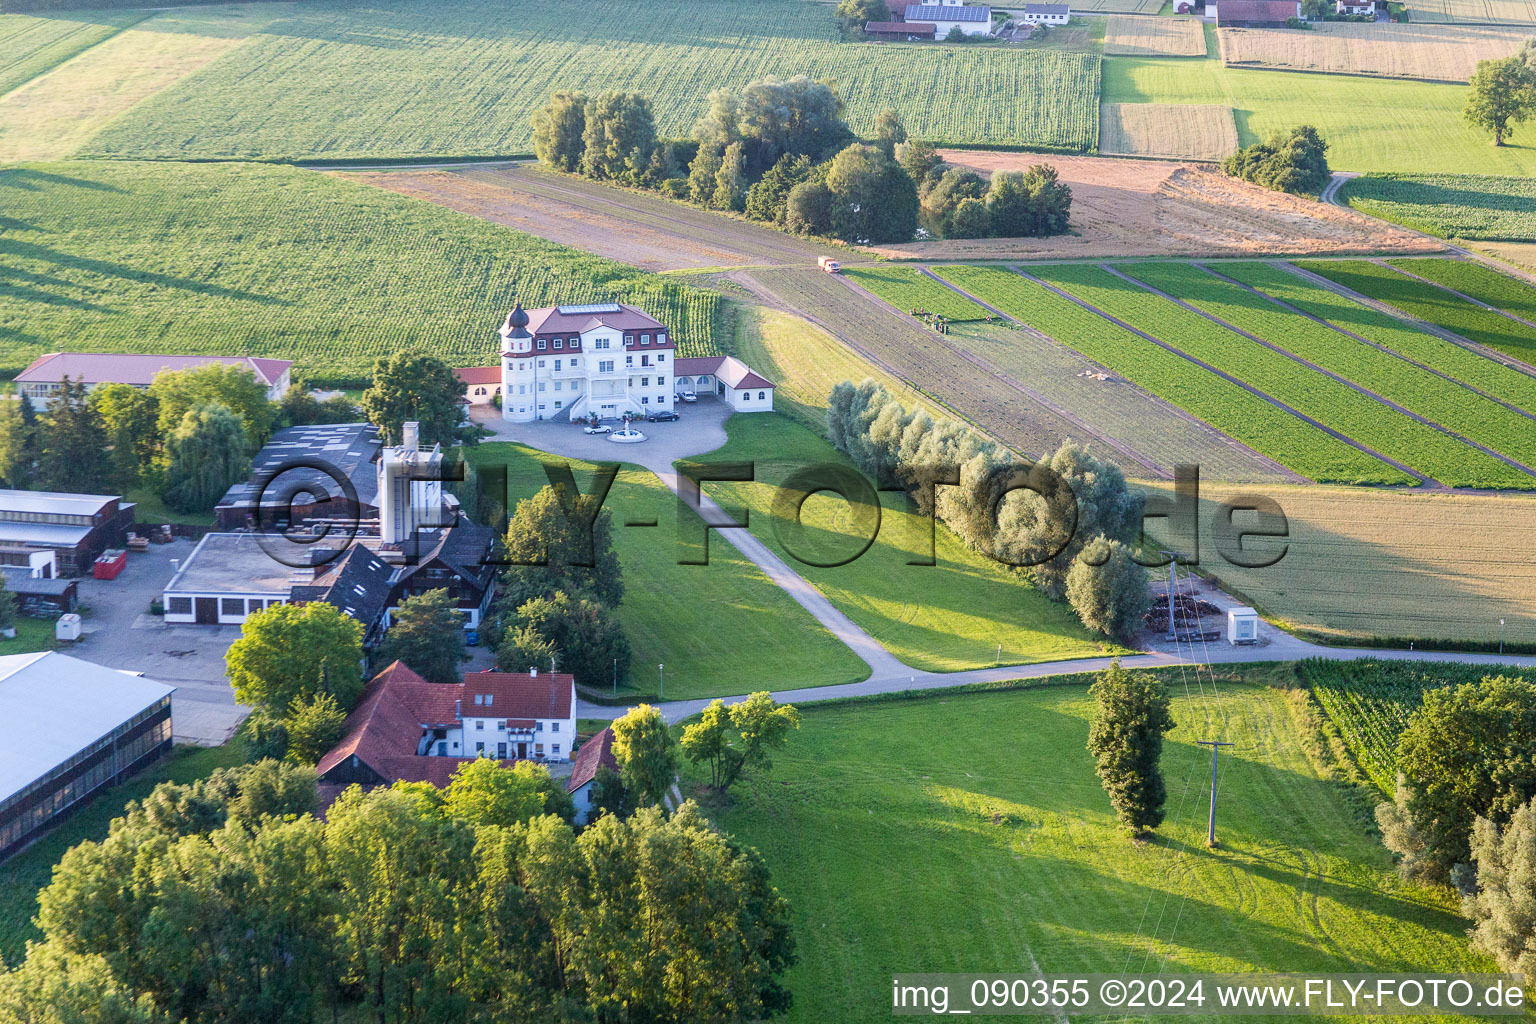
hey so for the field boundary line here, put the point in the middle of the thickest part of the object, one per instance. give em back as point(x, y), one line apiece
point(1363, 340)
point(1272, 400)
point(1367, 392)
point(1409, 318)
point(1460, 295)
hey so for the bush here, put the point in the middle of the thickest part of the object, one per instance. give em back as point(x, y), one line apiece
point(808, 208)
point(1294, 161)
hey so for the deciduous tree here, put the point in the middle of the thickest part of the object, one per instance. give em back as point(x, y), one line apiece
point(413, 386)
point(559, 130)
point(620, 133)
point(427, 633)
point(1108, 589)
point(73, 443)
point(289, 652)
point(130, 416)
point(177, 391)
point(205, 455)
point(314, 726)
point(1502, 904)
point(1503, 95)
point(744, 735)
point(552, 551)
point(646, 752)
point(488, 792)
point(1131, 714)
point(873, 199)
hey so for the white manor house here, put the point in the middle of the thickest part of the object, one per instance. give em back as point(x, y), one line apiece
point(607, 360)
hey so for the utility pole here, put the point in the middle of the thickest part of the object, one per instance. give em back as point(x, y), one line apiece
point(1173, 568)
point(1501, 638)
point(1215, 745)
point(662, 674)
point(615, 677)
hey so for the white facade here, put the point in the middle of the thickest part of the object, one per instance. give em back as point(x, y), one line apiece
point(1242, 626)
point(605, 360)
point(950, 14)
point(728, 379)
point(1045, 14)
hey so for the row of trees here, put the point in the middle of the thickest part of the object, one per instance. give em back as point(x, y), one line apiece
point(1503, 93)
point(1464, 812)
point(1069, 520)
point(228, 900)
point(958, 203)
point(1294, 161)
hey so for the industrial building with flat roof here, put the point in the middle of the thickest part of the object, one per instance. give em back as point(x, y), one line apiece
point(72, 727)
point(59, 532)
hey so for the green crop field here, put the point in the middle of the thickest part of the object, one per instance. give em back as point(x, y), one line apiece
point(33, 44)
point(1370, 124)
point(1371, 702)
point(668, 607)
point(943, 618)
point(1478, 206)
point(896, 855)
point(1263, 427)
point(908, 289)
point(1480, 419)
point(275, 261)
point(1431, 304)
point(1328, 401)
point(1478, 281)
point(409, 77)
point(1489, 376)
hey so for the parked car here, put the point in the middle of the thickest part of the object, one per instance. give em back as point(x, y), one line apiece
point(688, 396)
point(664, 416)
point(471, 638)
point(599, 428)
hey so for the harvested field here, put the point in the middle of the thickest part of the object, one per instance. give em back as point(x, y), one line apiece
point(1474, 12)
point(1433, 53)
point(1170, 131)
point(1152, 208)
point(646, 231)
point(1362, 564)
point(1154, 37)
point(1118, 6)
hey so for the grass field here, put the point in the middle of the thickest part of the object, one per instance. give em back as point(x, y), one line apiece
point(275, 261)
point(908, 289)
point(896, 855)
point(1326, 400)
point(53, 116)
point(1371, 702)
point(1436, 306)
point(1471, 415)
point(668, 607)
point(22, 875)
point(1478, 281)
point(1450, 205)
point(32, 44)
point(1154, 37)
point(1435, 53)
point(407, 77)
point(1475, 12)
point(1370, 125)
point(1120, 6)
point(1464, 364)
point(1175, 131)
point(1249, 419)
point(945, 617)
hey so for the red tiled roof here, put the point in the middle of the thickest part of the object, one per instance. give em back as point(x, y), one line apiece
point(519, 695)
point(594, 753)
point(732, 371)
point(478, 374)
point(628, 318)
point(136, 368)
point(1256, 10)
point(381, 725)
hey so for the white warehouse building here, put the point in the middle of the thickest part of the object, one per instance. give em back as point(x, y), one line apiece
point(947, 15)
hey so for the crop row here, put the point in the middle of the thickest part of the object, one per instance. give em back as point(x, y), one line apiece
point(1226, 406)
point(1464, 364)
point(406, 78)
point(1489, 206)
point(223, 259)
point(1434, 305)
point(1420, 391)
point(1326, 400)
point(912, 291)
point(1478, 280)
point(31, 45)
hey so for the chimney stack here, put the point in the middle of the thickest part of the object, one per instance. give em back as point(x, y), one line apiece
point(534, 672)
point(457, 712)
point(410, 436)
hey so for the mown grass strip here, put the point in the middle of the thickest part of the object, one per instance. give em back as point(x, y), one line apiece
point(1489, 376)
point(1477, 280)
point(1432, 305)
point(912, 291)
point(1240, 414)
point(1332, 403)
point(1432, 397)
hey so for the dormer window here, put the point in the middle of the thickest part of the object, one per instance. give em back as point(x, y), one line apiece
point(661, 339)
point(559, 343)
point(479, 700)
point(645, 339)
point(629, 339)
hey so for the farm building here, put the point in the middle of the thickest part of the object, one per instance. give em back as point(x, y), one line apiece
point(405, 728)
point(333, 464)
point(731, 380)
point(39, 596)
point(951, 14)
point(900, 31)
point(481, 383)
point(60, 534)
point(1253, 13)
point(47, 372)
point(73, 727)
point(1354, 8)
point(594, 755)
point(1045, 14)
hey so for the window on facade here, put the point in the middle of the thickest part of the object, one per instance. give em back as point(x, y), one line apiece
point(629, 360)
point(538, 750)
point(575, 363)
point(539, 727)
point(557, 364)
point(501, 750)
point(541, 364)
point(559, 404)
point(557, 385)
point(661, 357)
point(645, 401)
point(606, 366)
point(490, 699)
point(559, 343)
point(543, 344)
point(541, 385)
point(232, 606)
point(601, 343)
point(179, 606)
point(522, 389)
point(479, 699)
point(645, 339)
point(479, 748)
point(555, 749)
point(254, 605)
point(760, 396)
point(661, 339)
point(442, 749)
point(479, 725)
point(554, 727)
point(629, 339)
point(479, 391)
point(645, 382)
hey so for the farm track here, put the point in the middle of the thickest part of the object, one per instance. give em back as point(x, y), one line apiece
point(1366, 392)
point(1297, 310)
point(1263, 396)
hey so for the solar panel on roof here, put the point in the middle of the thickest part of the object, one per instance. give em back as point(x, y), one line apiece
point(596, 307)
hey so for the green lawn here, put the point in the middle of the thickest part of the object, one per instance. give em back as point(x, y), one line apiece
point(946, 617)
point(262, 260)
point(1370, 124)
point(153, 510)
point(1474, 206)
point(31, 635)
point(720, 629)
point(22, 875)
point(969, 833)
point(410, 77)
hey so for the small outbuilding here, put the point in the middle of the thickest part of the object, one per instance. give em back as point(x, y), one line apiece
point(1242, 626)
point(900, 31)
point(1045, 14)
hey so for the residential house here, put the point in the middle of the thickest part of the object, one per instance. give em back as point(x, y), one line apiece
point(46, 374)
point(1045, 14)
point(594, 755)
